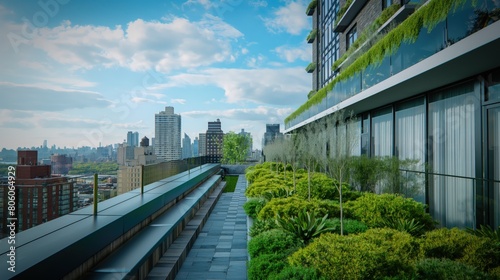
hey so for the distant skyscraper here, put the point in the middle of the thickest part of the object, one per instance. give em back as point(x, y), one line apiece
point(45, 144)
point(250, 142)
point(271, 134)
point(202, 145)
point(168, 134)
point(195, 147)
point(214, 140)
point(133, 139)
point(187, 150)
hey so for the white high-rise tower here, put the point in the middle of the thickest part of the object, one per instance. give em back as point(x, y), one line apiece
point(168, 134)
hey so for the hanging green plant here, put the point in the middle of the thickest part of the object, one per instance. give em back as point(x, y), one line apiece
point(342, 11)
point(310, 68)
point(311, 7)
point(312, 35)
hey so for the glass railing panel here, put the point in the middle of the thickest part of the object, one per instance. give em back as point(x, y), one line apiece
point(375, 74)
point(460, 24)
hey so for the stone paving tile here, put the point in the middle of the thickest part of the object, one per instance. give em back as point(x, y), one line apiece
point(220, 251)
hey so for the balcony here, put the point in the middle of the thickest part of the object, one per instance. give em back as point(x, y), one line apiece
point(312, 35)
point(311, 67)
point(433, 58)
point(349, 15)
point(311, 7)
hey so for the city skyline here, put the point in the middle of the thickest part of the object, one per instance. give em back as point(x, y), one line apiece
point(83, 74)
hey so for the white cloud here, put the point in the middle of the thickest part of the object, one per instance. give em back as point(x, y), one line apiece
point(254, 62)
point(291, 54)
point(141, 45)
point(178, 101)
point(40, 97)
point(283, 86)
point(260, 113)
point(290, 18)
point(257, 3)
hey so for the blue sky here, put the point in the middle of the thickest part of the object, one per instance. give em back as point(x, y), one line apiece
point(80, 73)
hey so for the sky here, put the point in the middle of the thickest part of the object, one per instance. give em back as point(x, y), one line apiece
point(84, 73)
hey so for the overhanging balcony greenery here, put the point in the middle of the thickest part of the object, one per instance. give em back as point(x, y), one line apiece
point(311, 67)
point(356, 77)
point(367, 34)
point(312, 35)
point(311, 7)
point(311, 94)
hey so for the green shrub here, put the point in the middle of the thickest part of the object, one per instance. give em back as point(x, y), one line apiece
point(272, 241)
point(262, 186)
point(305, 226)
point(410, 226)
point(350, 226)
point(297, 273)
point(375, 254)
point(456, 244)
point(322, 187)
point(253, 206)
point(292, 206)
point(486, 231)
point(374, 210)
point(447, 269)
point(259, 226)
point(266, 266)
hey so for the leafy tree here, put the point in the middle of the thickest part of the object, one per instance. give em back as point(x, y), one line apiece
point(235, 148)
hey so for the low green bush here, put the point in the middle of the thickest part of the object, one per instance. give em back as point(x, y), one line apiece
point(374, 254)
point(259, 226)
point(291, 206)
point(376, 209)
point(273, 241)
point(297, 273)
point(253, 206)
point(266, 266)
point(351, 226)
point(459, 245)
point(447, 269)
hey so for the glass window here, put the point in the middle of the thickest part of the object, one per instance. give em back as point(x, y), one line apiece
point(494, 164)
point(382, 133)
point(410, 146)
point(352, 35)
point(452, 142)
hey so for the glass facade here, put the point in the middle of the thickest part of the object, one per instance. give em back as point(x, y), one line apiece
point(329, 40)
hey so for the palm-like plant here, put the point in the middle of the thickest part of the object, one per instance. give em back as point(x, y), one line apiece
point(305, 226)
point(486, 231)
point(412, 226)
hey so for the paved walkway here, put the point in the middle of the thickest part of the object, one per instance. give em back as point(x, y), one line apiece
point(220, 251)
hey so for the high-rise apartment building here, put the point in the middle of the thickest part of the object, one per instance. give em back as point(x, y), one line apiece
point(39, 196)
point(249, 140)
point(133, 139)
point(423, 87)
point(202, 145)
point(168, 134)
point(214, 138)
point(187, 149)
point(272, 133)
point(195, 147)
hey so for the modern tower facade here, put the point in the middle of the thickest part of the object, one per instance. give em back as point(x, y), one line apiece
point(272, 133)
point(202, 145)
point(422, 87)
point(187, 149)
point(214, 138)
point(133, 139)
point(195, 147)
point(168, 134)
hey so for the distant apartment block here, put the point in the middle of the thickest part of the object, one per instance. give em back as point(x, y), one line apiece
point(168, 134)
point(214, 140)
point(187, 149)
point(272, 133)
point(202, 145)
point(40, 197)
point(133, 138)
point(61, 164)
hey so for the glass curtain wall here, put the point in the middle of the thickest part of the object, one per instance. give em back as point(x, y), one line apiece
point(452, 121)
point(382, 142)
point(494, 163)
point(410, 145)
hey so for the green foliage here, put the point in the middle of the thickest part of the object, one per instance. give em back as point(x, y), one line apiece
point(375, 210)
point(297, 273)
point(231, 181)
point(366, 172)
point(235, 148)
point(4, 168)
point(375, 254)
point(351, 226)
point(260, 226)
point(253, 206)
point(305, 226)
point(342, 11)
point(312, 5)
point(310, 68)
point(322, 187)
point(266, 266)
point(292, 206)
point(312, 35)
point(273, 241)
point(459, 245)
point(486, 231)
point(447, 269)
point(103, 168)
point(410, 226)
point(277, 193)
